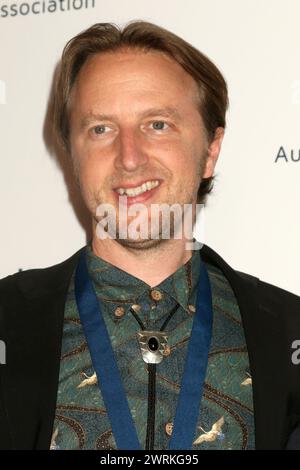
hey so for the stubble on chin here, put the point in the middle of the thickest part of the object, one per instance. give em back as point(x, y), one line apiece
point(162, 231)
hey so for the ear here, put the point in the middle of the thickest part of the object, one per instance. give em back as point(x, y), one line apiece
point(214, 149)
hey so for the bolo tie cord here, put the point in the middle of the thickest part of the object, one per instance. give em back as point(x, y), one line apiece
point(152, 384)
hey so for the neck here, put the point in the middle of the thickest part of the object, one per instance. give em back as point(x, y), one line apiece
point(152, 265)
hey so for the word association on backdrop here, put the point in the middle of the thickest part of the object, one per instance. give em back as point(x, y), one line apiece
point(44, 6)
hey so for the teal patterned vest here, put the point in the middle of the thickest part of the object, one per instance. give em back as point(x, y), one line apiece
point(226, 412)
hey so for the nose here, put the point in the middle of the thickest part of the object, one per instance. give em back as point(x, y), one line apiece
point(131, 153)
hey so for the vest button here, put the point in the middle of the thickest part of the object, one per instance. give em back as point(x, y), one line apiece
point(156, 295)
point(169, 429)
point(119, 312)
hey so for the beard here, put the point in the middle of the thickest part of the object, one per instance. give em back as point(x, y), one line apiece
point(160, 229)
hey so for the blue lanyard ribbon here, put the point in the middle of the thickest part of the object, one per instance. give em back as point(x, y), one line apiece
point(109, 379)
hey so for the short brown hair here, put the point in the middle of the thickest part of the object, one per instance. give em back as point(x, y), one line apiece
point(107, 37)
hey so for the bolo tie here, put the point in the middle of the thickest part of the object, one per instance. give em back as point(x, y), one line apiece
point(153, 345)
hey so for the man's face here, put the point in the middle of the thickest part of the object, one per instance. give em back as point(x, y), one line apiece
point(134, 118)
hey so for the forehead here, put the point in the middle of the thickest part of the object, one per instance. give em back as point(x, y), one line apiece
point(134, 73)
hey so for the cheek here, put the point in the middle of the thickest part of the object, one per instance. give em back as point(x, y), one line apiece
point(89, 183)
point(185, 162)
point(90, 167)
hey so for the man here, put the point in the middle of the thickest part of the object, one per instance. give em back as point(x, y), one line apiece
point(143, 342)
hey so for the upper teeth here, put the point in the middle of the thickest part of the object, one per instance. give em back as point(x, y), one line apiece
point(139, 189)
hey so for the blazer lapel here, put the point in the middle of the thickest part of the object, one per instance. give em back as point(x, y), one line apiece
point(33, 334)
point(261, 332)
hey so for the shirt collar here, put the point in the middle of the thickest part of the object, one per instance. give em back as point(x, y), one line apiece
point(117, 287)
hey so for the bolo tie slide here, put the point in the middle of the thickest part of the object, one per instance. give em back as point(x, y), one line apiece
point(153, 343)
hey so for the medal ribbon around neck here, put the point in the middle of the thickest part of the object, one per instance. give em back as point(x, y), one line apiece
point(109, 379)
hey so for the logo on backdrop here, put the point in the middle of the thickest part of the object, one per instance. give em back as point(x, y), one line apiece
point(40, 7)
point(287, 155)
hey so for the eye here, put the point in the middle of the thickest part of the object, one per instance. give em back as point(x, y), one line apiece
point(100, 129)
point(159, 125)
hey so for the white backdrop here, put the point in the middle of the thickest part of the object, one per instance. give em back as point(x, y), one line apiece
point(252, 218)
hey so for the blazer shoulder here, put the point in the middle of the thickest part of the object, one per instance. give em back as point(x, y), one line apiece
point(269, 290)
point(270, 297)
point(276, 301)
point(36, 282)
point(285, 303)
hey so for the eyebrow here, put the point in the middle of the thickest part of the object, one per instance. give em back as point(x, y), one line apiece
point(168, 111)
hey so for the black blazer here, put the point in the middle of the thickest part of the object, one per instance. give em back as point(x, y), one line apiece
point(31, 323)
